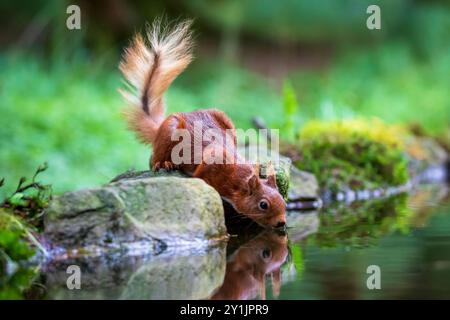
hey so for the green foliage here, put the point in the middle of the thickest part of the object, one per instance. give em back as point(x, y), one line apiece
point(17, 242)
point(12, 244)
point(67, 115)
point(428, 30)
point(290, 108)
point(238, 92)
point(301, 20)
point(356, 154)
point(15, 248)
point(388, 81)
point(21, 216)
point(29, 200)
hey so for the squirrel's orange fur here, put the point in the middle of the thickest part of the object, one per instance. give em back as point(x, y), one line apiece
point(150, 69)
point(248, 267)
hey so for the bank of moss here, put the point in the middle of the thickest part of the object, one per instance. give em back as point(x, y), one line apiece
point(15, 249)
point(353, 154)
point(21, 218)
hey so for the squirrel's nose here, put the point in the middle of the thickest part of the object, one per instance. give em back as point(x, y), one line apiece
point(280, 224)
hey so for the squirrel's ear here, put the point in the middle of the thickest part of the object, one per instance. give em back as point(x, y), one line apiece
point(257, 169)
point(272, 181)
point(253, 183)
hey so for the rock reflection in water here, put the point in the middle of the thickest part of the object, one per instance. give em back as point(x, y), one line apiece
point(184, 274)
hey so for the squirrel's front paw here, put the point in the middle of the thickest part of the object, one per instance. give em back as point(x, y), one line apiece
point(166, 165)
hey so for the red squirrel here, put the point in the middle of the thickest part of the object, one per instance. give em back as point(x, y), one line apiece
point(150, 66)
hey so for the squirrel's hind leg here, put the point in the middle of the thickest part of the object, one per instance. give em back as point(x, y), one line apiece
point(162, 148)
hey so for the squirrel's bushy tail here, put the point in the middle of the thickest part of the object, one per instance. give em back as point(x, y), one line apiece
point(149, 66)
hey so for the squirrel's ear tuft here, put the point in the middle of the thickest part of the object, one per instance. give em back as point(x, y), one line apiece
point(272, 181)
point(256, 169)
point(253, 183)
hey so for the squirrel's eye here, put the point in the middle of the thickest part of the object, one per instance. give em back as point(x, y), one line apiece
point(263, 205)
point(266, 253)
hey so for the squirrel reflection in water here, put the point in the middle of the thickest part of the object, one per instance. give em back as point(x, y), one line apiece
point(248, 267)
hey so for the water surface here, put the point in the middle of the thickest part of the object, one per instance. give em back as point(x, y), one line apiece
point(323, 255)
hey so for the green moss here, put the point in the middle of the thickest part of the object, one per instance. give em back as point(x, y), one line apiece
point(14, 237)
point(282, 178)
point(21, 216)
point(15, 248)
point(282, 174)
point(355, 154)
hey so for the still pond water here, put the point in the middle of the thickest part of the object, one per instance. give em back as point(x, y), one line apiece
point(324, 255)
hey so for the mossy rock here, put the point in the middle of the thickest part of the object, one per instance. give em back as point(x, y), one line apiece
point(354, 154)
point(282, 174)
point(136, 207)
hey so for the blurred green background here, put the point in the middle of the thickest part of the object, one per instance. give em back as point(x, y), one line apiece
point(58, 87)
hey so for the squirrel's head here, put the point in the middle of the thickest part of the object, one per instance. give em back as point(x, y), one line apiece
point(262, 202)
